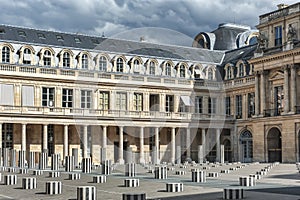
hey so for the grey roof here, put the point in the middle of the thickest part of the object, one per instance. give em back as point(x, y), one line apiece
point(243, 53)
point(11, 33)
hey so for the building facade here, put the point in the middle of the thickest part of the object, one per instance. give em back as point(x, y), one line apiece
point(123, 100)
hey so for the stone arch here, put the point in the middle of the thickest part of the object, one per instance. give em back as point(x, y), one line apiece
point(274, 145)
point(246, 145)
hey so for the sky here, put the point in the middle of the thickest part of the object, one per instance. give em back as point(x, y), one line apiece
point(154, 20)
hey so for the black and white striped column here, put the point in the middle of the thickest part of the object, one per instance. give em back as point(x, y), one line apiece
point(55, 162)
point(131, 182)
point(54, 174)
point(130, 169)
point(247, 181)
point(198, 176)
point(86, 165)
point(99, 179)
point(161, 172)
point(37, 172)
point(43, 161)
point(86, 193)
point(10, 179)
point(74, 176)
point(180, 172)
point(28, 183)
point(106, 167)
point(174, 187)
point(213, 174)
point(53, 187)
point(69, 163)
point(22, 155)
point(140, 196)
point(23, 170)
point(31, 164)
point(233, 193)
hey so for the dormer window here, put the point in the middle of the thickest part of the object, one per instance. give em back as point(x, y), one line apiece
point(136, 66)
point(182, 71)
point(66, 60)
point(229, 74)
point(84, 61)
point(152, 68)
point(5, 54)
point(47, 58)
point(102, 63)
point(41, 36)
point(27, 56)
point(210, 75)
point(59, 38)
point(241, 70)
point(120, 65)
point(22, 33)
point(2, 31)
point(77, 40)
point(168, 69)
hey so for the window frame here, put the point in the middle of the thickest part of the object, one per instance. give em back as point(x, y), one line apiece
point(6, 52)
point(169, 106)
point(120, 65)
point(47, 58)
point(67, 98)
point(104, 100)
point(86, 99)
point(103, 62)
point(84, 61)
point(66, 60)
point(48, 95)
point(121, 101)
point(138, 101)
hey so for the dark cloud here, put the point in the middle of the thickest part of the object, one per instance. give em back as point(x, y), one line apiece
point(188, 17)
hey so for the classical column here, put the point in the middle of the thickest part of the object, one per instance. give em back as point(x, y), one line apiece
point(45, 138)
point(203, 135)
point(23, 145)
point(188, 144)
point(263, 92)
point(157, 144)
point(142, 156)
point(66, 144)
point(293, 88)
point(218, 146)
point(173, 145)
point(104, 137)
point(85, 142)
point(256, 94)
point(286, 90)
point(121, 159)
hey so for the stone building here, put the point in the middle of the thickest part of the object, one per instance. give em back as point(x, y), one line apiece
point(123, 100)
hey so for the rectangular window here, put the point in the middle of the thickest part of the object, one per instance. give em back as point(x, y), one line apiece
point(104, 100)
point(278, 35)
point(239, 106)
point(198, 104)
point(138, 101)
point(27, 95)
point(154, 102)
point(50, 139)
point(228, 106)
point(67, 98)
point(86, 98)
point(48, 97)
point(251, 104)
point(7, 94)
point(169, 103)
point(278, 100)
point(121, 101)
point(212, 103)
point(7, 136)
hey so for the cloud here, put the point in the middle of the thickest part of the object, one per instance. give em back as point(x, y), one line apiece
point(112, 17)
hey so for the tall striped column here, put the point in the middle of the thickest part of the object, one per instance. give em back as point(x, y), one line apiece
point(69, 163)
point(198, 176)
point(55, 162)
point(106, 167)
point(22, 159)
point(86, 165)
point(86, 193)
point(31, 160)
point(43, 161)
point(161, 172)
point(130, 169)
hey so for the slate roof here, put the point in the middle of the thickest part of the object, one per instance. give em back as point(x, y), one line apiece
point(12, 33)
point(243, 53)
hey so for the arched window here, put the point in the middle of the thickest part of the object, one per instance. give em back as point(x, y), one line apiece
point(210, 74)
point(241, 70)
point(229, 72)
point(47, 58)
point(152, 68)
point(120, 65)
point(6, 54)
point(136, 66)
point(246, 142)
point(66, 60)
point(168, 69)
point(27, 56)
point(84, 61)
point(102, 63)
point(182, 71)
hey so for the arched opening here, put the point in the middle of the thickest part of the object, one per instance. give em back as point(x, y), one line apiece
point(227, 151)
point(274, 145)
point(246, 141)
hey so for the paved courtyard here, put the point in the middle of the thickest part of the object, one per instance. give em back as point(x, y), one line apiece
point(281, 182)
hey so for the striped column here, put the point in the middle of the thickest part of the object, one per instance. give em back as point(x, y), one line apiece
point(55, 162)
point(174, 187)
point(10, 179)
point(23, 170)
point(37, 172)
point(54, 174)
point(69, 163)
point(247, 181)
point(130, 169)
point(131, 182)
point(53, 187)
point(106, 167)
point(86, 193)
point(141, 196)
point(74, 176)
point(233, 193)
point(31, 160)
point(99, 179)
point(198, 176)
point(86, 165)
point(161, 172)
point(28, 183)
point(22, 159)
point(43, 161)
point(13, 158)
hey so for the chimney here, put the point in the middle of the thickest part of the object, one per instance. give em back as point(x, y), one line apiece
point(142, 39)
point(282, 6)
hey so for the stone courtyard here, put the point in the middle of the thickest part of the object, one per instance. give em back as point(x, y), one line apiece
point(281, 181)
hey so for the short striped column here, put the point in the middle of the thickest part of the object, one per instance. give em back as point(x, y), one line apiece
point(160, 172)
point(31, 164)
point(213, 174)
point(43, 161)
point(206, 168)
point(86, 165)
point(247, 181)
point(10, 179)
point(28, 183)
point(11, 170)
point(130, 169)
point(13, 158)
point(69, 163)
point(22, 159)
point(233, 193)
point(140, 196)
point(5, 157)
point(198, 176)
point(86, 193)
point(54, 174)
point(174, 187)
point(74, 176)
point(131, 182)
point(225, 171)
point(53, 187)
point(23, 171)
point(37, 172)
point(55, 162)
point(106, 167)
point(232, 169)
point(180, 172)
point(255, 176)
point(99, 179)
point(261, 173)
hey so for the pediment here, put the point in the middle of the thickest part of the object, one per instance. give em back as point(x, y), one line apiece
point(276, 75)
